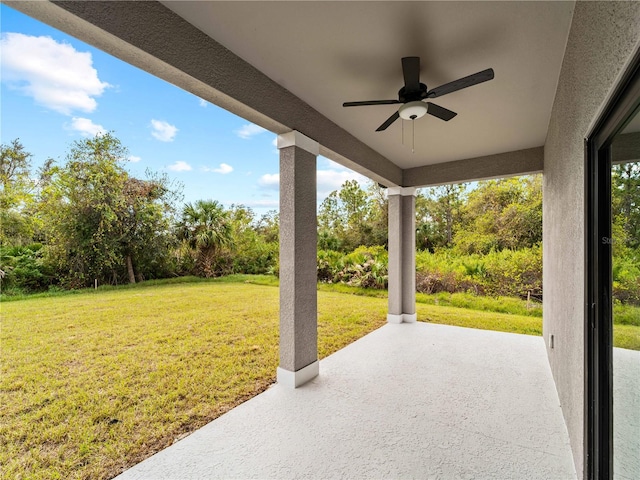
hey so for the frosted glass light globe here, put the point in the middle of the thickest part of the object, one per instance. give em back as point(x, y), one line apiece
point(412, 110)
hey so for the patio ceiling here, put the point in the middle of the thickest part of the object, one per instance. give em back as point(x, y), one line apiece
point(327, 53)
point(290, 66)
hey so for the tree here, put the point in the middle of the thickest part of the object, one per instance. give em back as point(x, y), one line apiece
point(145, 222)
point(102, 223)
point(351, 217)
point(501, 214)
point(378, 214)
point(269, 226)
point(625, 193)
point(16, 195)
point(438, 214)
point(330, 223)
point(206, 227)
point(255, 242)
point(15, 163)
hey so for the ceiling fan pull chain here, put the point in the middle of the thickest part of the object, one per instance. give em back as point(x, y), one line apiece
point(402, 122)
point(413, 136)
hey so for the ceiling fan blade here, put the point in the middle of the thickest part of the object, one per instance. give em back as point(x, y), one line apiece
point(388, 122)
point(411, 73)
point(370, 102)
point(440, 112)
point(461, 83)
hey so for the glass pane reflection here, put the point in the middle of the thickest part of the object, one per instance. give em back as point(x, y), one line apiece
point(625, 179)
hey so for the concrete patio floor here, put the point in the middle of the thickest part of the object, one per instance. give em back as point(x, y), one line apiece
point(406, 401)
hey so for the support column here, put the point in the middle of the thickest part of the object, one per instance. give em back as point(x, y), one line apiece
point(298, 251)
point(402, 255)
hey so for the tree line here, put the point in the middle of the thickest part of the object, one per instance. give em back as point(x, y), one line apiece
point(87, 219)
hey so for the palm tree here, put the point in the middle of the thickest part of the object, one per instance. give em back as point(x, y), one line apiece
point(206, 227)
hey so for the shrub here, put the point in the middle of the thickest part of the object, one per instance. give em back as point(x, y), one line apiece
point(364, 267)
point(505, 273)
point(256, 258)
point(514, 273)
point(626, 314)
point(24, 269)
point(626, 278)
point(329, 264)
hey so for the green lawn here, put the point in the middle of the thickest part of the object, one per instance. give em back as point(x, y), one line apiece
point(93, 382)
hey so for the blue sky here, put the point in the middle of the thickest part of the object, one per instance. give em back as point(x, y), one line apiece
point(56, 89)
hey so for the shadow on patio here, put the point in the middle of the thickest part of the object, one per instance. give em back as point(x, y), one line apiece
point(406, 401)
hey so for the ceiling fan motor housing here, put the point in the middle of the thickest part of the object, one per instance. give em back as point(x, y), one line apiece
point(404, 96)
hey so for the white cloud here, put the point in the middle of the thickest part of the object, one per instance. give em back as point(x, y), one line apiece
point(266, 203)
point(202, 102)
point(331, 165)
point(222, 169)
point(163, 131)
point(249, 130)
point(330, 180)
point(270, 181)
point(86, 127)
point(326, 181)
point(134, 158)
point(180, 166)
point(54, 74)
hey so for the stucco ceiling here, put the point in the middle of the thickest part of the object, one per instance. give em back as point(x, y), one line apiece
point(330, 52)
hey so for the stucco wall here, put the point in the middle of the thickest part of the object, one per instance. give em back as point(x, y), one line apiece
point(603, 36)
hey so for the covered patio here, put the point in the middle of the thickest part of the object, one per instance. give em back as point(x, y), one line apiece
point(409, 399)
point(406, 401)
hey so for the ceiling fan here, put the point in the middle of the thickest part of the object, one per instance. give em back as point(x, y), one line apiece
point(413, 92)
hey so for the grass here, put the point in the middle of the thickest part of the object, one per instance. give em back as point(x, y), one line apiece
point(95, 381)
point(509, 305)
point(626, 315)
point(92, 383)
point(626, 336)
point(460, 317)
point(58, 292)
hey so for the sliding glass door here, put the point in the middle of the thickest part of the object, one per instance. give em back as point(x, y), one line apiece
point(625, 235)
point(612, 308)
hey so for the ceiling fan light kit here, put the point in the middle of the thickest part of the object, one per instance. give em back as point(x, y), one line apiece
point(411, 95)
point(412, 110)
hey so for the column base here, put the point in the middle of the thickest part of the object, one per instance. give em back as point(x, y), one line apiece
point(402, 318)
point(290, 379)
point(409, 317)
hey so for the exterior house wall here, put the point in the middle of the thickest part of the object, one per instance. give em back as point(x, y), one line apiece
point(603, 36)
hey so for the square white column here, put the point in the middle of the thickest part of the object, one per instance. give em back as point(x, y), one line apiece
point(298, 251)
point(402, 255)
